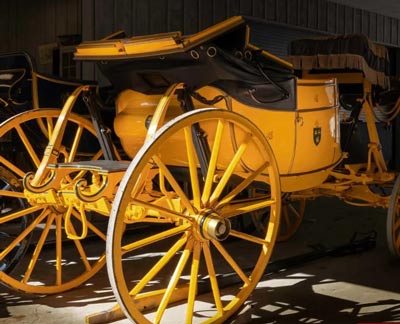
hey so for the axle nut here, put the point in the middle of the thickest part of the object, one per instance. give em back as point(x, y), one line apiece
point(214, 227)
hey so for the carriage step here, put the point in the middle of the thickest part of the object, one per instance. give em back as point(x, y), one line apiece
point(102, 166)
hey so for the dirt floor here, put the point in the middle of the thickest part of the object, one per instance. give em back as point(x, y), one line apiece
point(310, 286)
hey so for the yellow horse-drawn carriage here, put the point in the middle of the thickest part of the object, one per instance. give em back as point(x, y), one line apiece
point(220, 139)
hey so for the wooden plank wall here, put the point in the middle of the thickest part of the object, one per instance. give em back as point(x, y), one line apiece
point(140, 17)
point(26, 24)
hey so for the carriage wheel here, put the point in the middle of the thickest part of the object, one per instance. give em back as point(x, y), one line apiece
point(52, 264)
point(9, 231)
point(292, 215)
point(393, 220)
point(193, 248)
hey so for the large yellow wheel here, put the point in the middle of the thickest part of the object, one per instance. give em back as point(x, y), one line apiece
point(53, 263)
point(193, 245)
point(393, 220)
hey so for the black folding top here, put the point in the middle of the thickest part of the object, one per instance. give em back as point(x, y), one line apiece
point(220, 55)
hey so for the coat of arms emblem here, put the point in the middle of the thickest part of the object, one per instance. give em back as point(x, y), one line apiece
point(317, 135)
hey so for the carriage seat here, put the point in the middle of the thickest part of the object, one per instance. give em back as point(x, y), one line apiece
point(342, 54)
point(9, 80)
point(15, 78)
point(24, 88)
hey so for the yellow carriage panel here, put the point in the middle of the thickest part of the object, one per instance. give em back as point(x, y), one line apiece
point(305, 140)
point(317, 149)
point(276, 125)
point(134, 111)
point(316, 93)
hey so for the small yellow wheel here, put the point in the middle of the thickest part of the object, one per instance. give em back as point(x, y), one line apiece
point(52, 264)
point(393, 220)
point(192, 243)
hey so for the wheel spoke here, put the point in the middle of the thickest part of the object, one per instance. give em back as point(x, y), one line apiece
point(50, 126)
point(246, 206)
point(257, 219)
point(231, 262)
point(396, 225)
point(193, 281)
point(174, 280)
point(58, 250)
point(159, 265)
point(154, 238)
point(24, 234)
point(9, 193)
point(248, 237)
point(150, 300)
point(141, 182)
point(38, 249)
point(295, 212)
point(213, 162)
point(291, 217)
point(243, 185)
point(158, 211)
point(31, 152)
point(213, 278)
point(174, 184)
point(12, 167)
point(286, 217)
point(397, 241)
point(230, 169)
point(194, 179)
point(18, 214)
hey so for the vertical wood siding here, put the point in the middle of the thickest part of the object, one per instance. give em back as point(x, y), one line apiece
point(141, 17)
point(153, 16)
point(26, 24)
point(5, 25)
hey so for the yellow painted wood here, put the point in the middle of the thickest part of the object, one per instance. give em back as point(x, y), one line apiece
point(290, 133)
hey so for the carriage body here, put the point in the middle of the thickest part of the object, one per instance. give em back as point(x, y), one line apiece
point(218, 131)
point(302, 127)
point(305, 140)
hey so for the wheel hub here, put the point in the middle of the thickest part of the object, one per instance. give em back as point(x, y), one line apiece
point(213, 227)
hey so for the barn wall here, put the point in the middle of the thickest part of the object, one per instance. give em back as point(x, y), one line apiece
point(139, 17)
point(30, 24)
point(33, 25)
